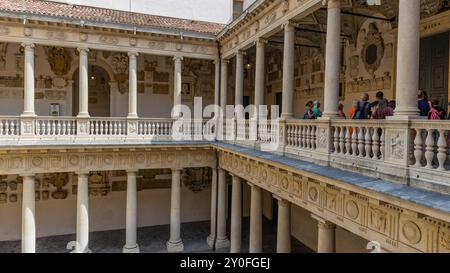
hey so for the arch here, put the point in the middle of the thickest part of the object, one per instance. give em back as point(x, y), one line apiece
point(99, 92)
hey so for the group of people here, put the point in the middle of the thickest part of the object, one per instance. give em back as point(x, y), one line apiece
point(430, 108)
point(380, 108)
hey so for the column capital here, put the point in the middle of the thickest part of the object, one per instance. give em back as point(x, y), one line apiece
point(325, 224)
point(133, 54)
point(83, 50)
point(241, 52)
point(178, 58)
point(28, 45)
point(82, 173)
point(176, 169)
point(332, 3)
point(261, 41)
point(131, 171)
point(27, 175)
point(225, 61)
point(281, 201)
point(216, 61)
point(289, 26)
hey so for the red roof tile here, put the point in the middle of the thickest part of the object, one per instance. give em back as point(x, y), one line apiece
point(40, 7)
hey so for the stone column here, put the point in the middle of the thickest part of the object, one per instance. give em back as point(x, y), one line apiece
point(259, 73)
point(83, 111)
point(288, 71)
point(28, 212)
point(132, 85)
point(212, 233)
point(408, 54)
point(82, 213)
point(326, 242)
point(217, 82)
point(283, 226)
point(255, 245)
point(131, 245)
point(224, 85)
point(175, 244)
point(177, 84)
point(236, 216)
point(28, 90)
point(222, 240)
point(332, 59)
point(239, 92)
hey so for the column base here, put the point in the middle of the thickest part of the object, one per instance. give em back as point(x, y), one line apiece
point(83, 115)
point(222, 243)
point(78, 251)
point(210, 241)
point(173, 247)
point(28, 115)
point(131, 249)
point(132, 116)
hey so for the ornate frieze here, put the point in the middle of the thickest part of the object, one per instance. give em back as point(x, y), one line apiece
point(73, 161)
point(397, 229)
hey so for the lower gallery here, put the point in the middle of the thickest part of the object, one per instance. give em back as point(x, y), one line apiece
point(89, 104)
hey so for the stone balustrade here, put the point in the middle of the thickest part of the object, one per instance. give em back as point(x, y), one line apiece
point(414, 152)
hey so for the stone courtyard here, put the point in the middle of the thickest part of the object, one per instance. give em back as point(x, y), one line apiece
point(153, 240)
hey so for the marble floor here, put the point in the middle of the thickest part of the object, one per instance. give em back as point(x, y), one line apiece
point(153, 240)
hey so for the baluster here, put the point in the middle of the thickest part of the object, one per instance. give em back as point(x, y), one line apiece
point(336, 140)
point(342, 140)
point(376, 143)
point(442, 150)
point(69, 127)
point(347, 140)
point(315, 138)
point(382, 144)
point(368, 141)
point(361, 141)
point(120, 128)
point(355, 141)
point(418, 148)
point(44, 127)
point(58, 126)
point(53, 127)
point(63, 127)
point(38, 127)
point(308, 137)
point(7, 127)
point(429, 154)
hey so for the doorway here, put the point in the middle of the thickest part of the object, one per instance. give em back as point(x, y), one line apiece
point(279, 101)
point(99, 92)
point(434, 67)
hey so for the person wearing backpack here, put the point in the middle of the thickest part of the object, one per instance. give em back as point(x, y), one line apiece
point(363, 108)
point(381, 107)
point(436, 112)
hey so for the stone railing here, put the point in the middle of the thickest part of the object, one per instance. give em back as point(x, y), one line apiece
point(413, 152)
point(15, 129)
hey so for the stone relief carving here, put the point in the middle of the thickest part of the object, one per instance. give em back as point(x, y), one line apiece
point(59, 59)
point(373, 49)
point(56, 35)
point(3, 50)
point(119, 62)
point(58, 180)
point(196, 179)
point(411, 232)
point(397, 145)
point(107, 39)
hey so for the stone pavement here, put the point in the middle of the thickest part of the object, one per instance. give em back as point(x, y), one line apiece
point(153, 240)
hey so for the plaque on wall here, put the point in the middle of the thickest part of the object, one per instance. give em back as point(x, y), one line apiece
point(160, 89)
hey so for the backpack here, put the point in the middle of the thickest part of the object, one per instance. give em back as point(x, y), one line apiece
point(380, 111)
point(360, 111)
point(433, 113)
